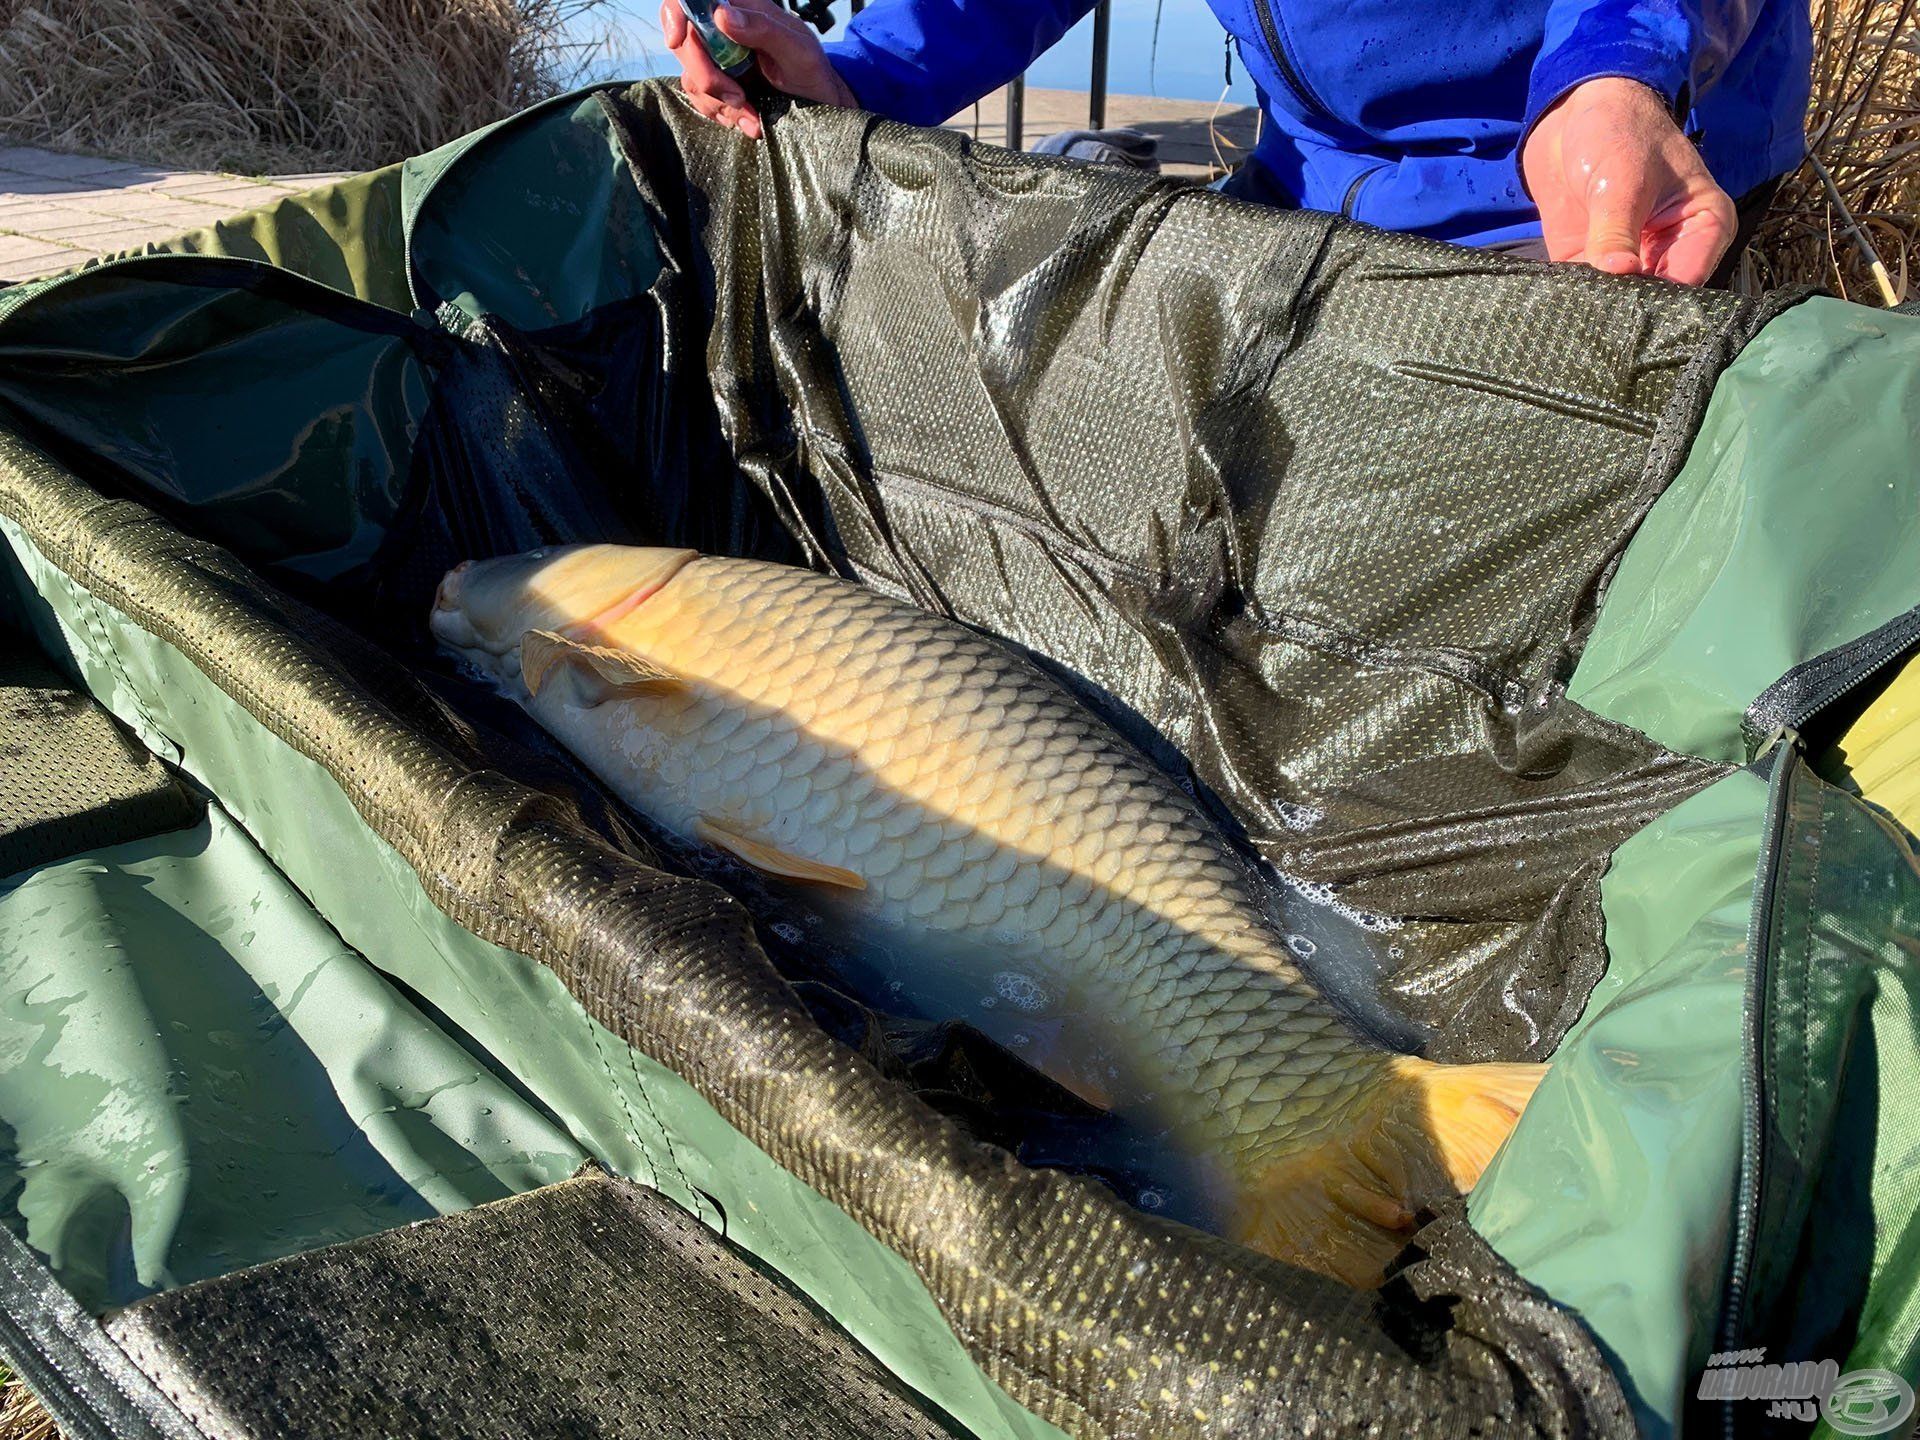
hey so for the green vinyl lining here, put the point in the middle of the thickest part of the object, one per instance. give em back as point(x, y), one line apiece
point(1749, 565)
point(210, 1078)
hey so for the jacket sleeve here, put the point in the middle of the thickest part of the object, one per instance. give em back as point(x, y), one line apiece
point(922, 61)
point(1676, 47)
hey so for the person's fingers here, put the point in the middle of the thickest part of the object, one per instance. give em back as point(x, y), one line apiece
point(698, 74)
point(1689, 247)
point(742, 117)
point(1618, 204)
point(673, 24)
point(757, 29)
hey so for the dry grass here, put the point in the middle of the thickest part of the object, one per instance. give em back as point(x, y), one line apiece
point(1865, 128)
point(277, 86)
point(21, 1416)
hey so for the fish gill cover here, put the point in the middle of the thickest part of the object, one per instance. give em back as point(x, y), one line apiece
point(1316, 516)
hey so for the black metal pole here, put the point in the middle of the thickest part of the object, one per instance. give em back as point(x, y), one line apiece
point(1017, 113)
point(856, 6)
point(1097, 84)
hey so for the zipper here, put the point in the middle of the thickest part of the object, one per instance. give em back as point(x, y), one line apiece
point(1283, 60)
point(1807, 689)
point(1772, 726)
point(1352, 197)
point(1784, 746)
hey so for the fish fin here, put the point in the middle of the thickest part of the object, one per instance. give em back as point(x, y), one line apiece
point(617, 672)
point(1347, 1205)
point(750, 850)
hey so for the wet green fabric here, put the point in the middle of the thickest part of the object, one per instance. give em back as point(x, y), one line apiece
point(615, 1103)
point(201, 1076)
point(569, 183)
point(345, 235)
point(129, 370)
point(1793, 528)
point(1839, 1197)
point(1614, 1195)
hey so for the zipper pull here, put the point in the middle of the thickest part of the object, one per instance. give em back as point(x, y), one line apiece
point(1781, 733)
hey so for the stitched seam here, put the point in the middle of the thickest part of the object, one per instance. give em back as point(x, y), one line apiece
point(613, 1081)
point(700, 1204)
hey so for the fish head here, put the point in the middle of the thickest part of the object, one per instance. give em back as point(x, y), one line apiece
point(484, 608)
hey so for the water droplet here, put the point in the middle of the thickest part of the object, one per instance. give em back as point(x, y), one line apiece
point(1151, 1200)
point(1301, 946)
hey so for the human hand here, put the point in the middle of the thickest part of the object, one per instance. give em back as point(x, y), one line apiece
point(788, 51)
point(1621, 188)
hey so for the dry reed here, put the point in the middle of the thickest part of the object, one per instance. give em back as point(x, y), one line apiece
point(277, 86)
point(22, 1417)
point(1864, 127)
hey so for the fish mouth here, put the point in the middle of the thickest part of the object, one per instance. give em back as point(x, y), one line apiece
point(446, 595)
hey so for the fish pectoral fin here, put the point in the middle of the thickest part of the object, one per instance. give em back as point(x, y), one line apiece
point(750, 850)
point(613, 672)
point(1346, 1205)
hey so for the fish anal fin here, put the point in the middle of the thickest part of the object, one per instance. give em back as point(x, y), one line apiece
point(614, 673)
point(751, 850)
point(1346, 1205)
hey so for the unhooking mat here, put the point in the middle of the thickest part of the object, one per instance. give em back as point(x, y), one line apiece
point(1491, 606)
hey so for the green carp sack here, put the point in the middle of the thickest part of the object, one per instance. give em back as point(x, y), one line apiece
point(955, 805)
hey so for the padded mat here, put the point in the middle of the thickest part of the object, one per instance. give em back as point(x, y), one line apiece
point(592, 1308)
point(70, 779)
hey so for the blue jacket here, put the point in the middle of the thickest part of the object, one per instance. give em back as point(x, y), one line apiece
point(1406, 115)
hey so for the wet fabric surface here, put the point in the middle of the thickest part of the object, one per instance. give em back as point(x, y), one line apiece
point(200, 1076)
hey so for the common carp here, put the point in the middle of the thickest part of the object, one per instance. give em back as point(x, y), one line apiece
point(955, 802)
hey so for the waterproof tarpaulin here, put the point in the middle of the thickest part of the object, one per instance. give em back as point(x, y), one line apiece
point(1466, 592)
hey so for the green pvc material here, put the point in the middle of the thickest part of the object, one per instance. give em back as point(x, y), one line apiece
point(132, 398)
point(346, 235)
point(1793, 528)
point(569, 179)
point(1615, 1193)
point(1840, 1182)
point(630, 1113)
point(204, 1077)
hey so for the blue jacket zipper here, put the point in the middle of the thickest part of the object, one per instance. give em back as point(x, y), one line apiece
point(1283, 60)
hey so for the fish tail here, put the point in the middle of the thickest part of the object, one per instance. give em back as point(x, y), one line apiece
point(1346, 1204)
